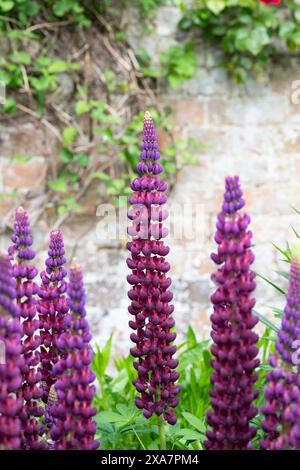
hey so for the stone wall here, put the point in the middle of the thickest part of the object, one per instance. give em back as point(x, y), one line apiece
point(251, 130)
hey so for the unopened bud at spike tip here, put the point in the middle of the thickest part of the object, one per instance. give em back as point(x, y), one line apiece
point(147, 116)
point(295, 249)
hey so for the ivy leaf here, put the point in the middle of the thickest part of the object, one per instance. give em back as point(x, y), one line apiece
point(69, 134)
point(61, 7)
point(216, 6)
point(59, 185)
point(9, 105)
point(82, 160)
point(253, 41)
point(286, 29)
point(101, 176)
point(66, 155)
point(20, 57)
point(6, 6)
point(21, 158)
point(82, 107)
point(58, 66)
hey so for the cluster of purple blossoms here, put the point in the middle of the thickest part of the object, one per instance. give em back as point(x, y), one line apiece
point(11, 361)
point(282, 393)
point(53, 309)
point(72, 410)
point(150, 295)
point(25, 273)
point(234, 343)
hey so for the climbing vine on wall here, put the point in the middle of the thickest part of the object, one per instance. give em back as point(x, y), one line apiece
point(252, 35)
point(67, 65)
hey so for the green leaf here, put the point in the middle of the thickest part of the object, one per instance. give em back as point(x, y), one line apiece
point(265, 321)
point(216, 6)
point(20, 57)
point(111, 417)
point(188, 434)
point(286, 29)
point(59, 185)
point(66, 155)
point(69, 134)
point(9, 105)
point(61, 7)
point(272, 284)
point(82, 107)
point(252, 40)
point(195, 422)
point(101, 175)
point(21, 158)
point(82, 160)
point(6, 6)
point(58, 66)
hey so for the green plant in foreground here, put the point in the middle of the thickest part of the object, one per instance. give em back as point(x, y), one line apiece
point(121, 426)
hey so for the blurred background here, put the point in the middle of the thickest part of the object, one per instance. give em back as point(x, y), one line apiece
point(222, 82)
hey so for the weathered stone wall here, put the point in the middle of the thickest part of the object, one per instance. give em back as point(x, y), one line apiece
point(251, 130)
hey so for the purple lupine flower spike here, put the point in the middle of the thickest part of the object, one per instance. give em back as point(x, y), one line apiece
point(282, 392)
point(150, 296)
point(53, 309)
point(11, 360)
point(72, 411)
point(24, 272)
point(234, 343)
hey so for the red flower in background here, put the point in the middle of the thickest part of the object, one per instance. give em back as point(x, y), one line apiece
point(271, 2)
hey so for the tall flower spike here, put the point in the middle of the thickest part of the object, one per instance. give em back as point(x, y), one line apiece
point(282, 392)
point(11, 361)
point(72, 426)
point(150, 296)
point(24, 273)
point(234, 343)
point(53, 309)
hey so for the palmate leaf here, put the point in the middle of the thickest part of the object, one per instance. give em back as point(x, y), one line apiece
point(195, 422)
point(101, 359)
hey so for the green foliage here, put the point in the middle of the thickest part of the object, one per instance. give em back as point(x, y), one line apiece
point(250, 34)
point(34, 70)
point(179, 63)
point(120, 425)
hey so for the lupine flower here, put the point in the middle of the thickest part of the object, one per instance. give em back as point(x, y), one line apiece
point(150, 296)
point(53, 309)
point(24, 273)
point(12, 363)
point(71, 409)
point(234, 343)
point(282, 393)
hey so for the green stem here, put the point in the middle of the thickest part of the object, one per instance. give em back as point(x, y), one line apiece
point(138, 438)
point(162, 435)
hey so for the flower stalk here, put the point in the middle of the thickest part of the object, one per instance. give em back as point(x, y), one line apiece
point(234, 343)
point(72, 412)
point(282, 392)
point(53, 309)
point(12, 362)
point(24, 273)
point(150, 296)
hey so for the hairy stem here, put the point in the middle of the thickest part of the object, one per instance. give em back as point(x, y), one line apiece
point(162, 435)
